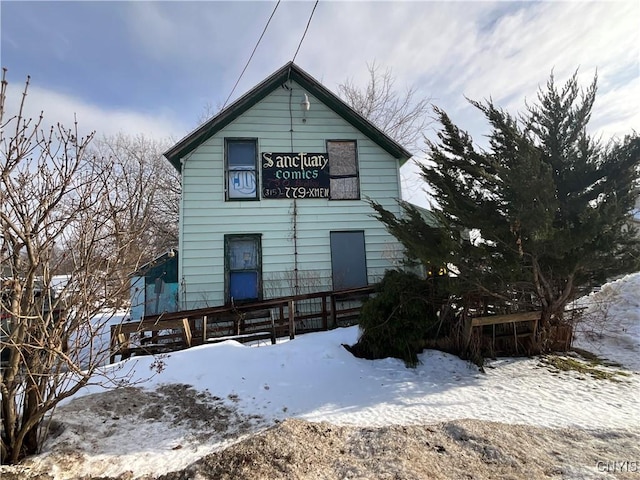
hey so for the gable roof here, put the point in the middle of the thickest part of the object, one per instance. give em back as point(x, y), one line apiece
point(260, 91)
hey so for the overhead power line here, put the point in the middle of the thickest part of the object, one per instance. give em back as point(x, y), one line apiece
point(305, 31)
point(254, 51)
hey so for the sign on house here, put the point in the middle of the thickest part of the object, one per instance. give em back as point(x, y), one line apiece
point(295, 175)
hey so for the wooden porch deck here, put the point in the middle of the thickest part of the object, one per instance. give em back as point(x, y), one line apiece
point(266, 319)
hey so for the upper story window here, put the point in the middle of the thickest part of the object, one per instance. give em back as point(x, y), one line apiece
point(343, 170)
point(241, 160)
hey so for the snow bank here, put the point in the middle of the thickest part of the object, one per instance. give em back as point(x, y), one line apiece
point(315, 378)
point(611, 324)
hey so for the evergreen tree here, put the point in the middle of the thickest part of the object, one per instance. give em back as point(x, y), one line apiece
point(546, 207)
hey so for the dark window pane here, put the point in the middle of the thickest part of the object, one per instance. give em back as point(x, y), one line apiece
point(241, 154)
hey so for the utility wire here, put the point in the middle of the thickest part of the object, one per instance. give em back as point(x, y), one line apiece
point(254, 51)
point(305, 31)
point(295, 203)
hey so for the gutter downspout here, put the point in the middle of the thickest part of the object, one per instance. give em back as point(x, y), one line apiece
point(183, 285)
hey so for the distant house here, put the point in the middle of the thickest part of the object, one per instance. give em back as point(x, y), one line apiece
point(154, 287)
point(274, 196)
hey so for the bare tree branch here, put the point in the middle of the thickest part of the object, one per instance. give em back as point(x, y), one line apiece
point(404, 116)
point(61, 211)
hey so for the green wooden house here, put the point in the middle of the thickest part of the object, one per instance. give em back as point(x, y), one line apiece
point(274, 196)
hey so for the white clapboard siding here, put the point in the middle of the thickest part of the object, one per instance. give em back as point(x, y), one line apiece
point(206, 217)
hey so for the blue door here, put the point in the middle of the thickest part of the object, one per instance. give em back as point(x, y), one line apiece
point(243, 285)
point(243, 265)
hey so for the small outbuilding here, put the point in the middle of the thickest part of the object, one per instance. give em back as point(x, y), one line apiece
point(154, 287)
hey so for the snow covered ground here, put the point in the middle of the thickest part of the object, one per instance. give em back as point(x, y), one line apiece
point(315, 378)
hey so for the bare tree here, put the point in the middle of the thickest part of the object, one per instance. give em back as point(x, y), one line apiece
point(144, 195)
point(208, 111)
point(404, 116)
point(56, 208)
point(166, 208)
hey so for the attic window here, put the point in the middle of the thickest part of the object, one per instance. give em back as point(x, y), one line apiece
point(343, 170)
point(241, 159)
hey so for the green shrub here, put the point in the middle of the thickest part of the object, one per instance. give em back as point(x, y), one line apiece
point(400, 318)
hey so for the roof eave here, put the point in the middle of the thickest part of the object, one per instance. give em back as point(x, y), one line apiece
point(289, 71)
point(192, 140)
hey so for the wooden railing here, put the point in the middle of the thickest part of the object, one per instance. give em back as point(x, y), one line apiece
point(528, 322)
point(271, 318)
point(519, 332)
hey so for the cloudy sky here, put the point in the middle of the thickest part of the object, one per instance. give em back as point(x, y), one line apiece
point(153, 67)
